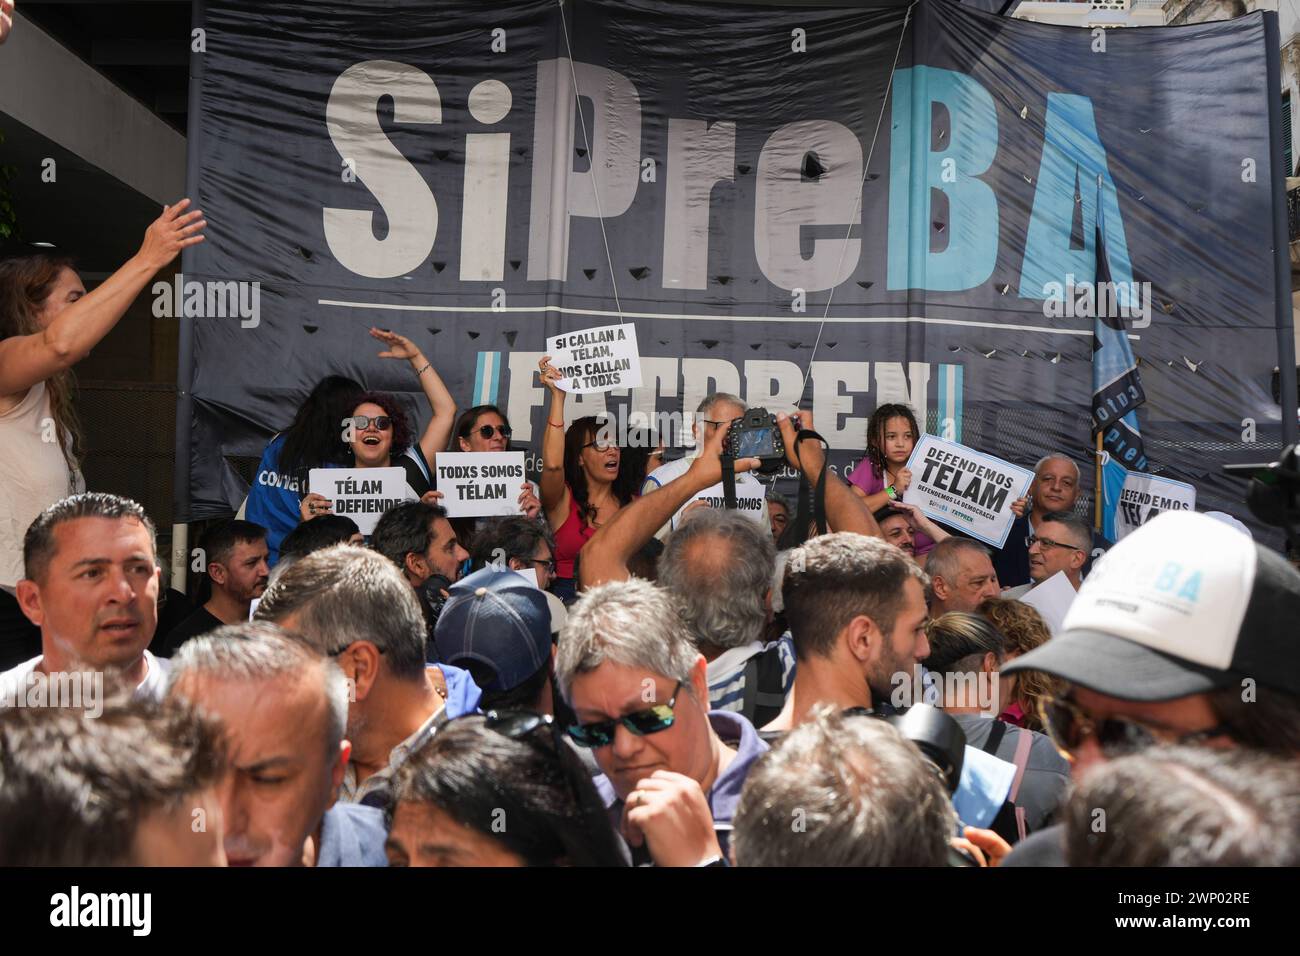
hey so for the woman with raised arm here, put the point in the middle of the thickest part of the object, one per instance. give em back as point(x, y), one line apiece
point(49, 323)
point(579, 483)
point(377, 433)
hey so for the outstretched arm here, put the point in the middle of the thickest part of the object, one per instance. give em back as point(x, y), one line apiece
point(555, 496)
point(28, 359)
point(438, 431)
point(845, 511)
point(605, 556)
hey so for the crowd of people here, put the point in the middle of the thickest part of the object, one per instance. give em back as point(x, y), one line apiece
point(619, 674)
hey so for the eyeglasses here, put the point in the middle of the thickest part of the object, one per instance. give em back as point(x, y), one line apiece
point(1069, 726)
point(547, 563)
point(362, 422)
point(516, 723)
point(1048, 544)
point(599, 444)
point(600, 733)
point(487, 431)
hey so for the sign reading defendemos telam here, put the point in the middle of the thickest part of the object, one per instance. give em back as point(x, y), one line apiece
point(1145, 496)
point(480, 484)
point(362, 494)
point(596, 360)
point(966, 489)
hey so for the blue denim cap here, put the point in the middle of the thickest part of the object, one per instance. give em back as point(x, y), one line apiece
point(498, 619)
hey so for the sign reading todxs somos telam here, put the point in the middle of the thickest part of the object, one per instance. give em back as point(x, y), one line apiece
point(480, 484)
point(966, 489)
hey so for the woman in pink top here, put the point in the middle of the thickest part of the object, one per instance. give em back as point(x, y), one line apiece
point(882, 476)
point(579, 471)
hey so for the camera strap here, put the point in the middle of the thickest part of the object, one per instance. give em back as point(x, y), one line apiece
point(819, 493)
point(728, 482)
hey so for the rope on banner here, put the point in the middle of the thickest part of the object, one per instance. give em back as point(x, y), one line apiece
point(866, 169)
point(595, 191)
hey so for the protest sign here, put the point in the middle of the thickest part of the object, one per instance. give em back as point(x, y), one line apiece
point(480, 484)
point(362, 494)
point(966, 489)
point(1052, 599)
point(596, 360)
point(749, 499)
point(1145, 496)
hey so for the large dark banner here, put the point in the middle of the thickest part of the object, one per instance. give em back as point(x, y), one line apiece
point(837, 205)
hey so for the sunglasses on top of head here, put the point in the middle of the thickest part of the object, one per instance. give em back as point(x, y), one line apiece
point(600, 733)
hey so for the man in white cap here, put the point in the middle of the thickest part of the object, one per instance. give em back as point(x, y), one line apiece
point(1183, 633)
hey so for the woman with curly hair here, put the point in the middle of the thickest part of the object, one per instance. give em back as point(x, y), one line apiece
point(580, 487)
point(1024, 629)
point(378, 434)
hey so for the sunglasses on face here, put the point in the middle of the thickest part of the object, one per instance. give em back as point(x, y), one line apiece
point(487, 431)
point(362, 422)
point(1069, 726)
point(600, 733)
point(1047, 544)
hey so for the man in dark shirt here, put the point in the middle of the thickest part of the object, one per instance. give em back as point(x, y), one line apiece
point(235, 553)
point(1055, 488)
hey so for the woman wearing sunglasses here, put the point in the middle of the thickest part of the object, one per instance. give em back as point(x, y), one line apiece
point(499, 789)
point(581, 490)
point(484, 428)
point(377, 434)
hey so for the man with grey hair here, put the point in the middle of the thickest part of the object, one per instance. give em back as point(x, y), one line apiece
point(283, 708)
point(606, 555)
point(843, 790)
point(961, 576)
point(1055, 488)
point(717, 411)
point(727, 618)
point(353, 605)
point(672, 770)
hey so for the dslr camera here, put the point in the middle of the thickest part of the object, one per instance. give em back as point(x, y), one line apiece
point(756, 435)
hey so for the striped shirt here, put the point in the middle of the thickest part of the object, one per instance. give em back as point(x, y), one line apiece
point(726, 673)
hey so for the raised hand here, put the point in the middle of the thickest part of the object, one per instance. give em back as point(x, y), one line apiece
point(529, 503)
point(399, 346)
point(171, 232)
point(550, 374)
point(6, 18)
